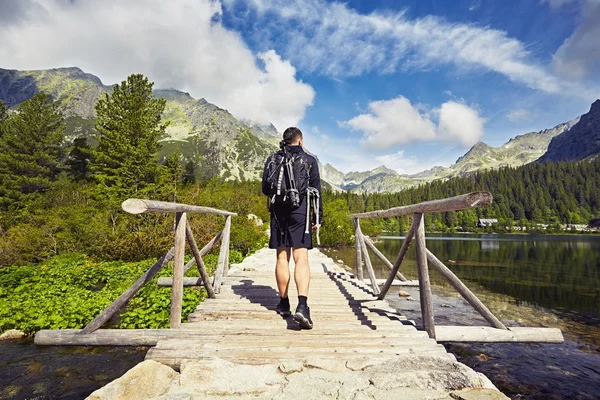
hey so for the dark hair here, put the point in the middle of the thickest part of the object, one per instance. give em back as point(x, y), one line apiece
point(290, 135)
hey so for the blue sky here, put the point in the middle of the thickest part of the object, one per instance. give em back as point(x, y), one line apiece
point(409, 84)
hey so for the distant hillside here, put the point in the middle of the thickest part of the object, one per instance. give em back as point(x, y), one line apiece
point(520, 150)
point(210, 136)
point(581, 141)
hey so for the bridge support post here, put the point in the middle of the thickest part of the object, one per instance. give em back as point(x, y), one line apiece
point(357, 233)
point(177, 290)
point(424, 283)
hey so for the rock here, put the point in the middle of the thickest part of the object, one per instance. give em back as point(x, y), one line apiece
point(218, 377)
point(483, 357)
point(257, 221)
point(478, 394)
point(326, 364)
point(410, 298)
point(146, 380)
point(287, 367)
point(340, 261)
point(447, 305)
point(358, 364)
point(319, 384)
point(402, 293)
point(407, 394)
point(12, 334)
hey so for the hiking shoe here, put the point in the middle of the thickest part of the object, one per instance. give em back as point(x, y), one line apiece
point(302, 316)
point(284, 310)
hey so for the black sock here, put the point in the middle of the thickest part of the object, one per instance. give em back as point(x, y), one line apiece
point(302, 300)
point(284, 301)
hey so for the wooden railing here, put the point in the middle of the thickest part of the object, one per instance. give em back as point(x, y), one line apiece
point(417, 230)
point(177, 254)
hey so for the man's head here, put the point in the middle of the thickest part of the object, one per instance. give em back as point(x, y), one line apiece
point(292, 136)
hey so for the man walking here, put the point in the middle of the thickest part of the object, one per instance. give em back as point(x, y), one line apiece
point(291, 180)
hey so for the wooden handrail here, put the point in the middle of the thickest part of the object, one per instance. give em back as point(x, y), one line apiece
point(139, 206)
point(463, 202)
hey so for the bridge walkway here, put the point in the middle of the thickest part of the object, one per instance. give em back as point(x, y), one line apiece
point(242, 325)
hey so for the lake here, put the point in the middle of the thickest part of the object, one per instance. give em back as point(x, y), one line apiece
point(550, 281)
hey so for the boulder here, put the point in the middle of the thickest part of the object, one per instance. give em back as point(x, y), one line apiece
point(146, 380)
point(12, 334)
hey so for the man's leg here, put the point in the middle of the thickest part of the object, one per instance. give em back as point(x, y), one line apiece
point(282, 276)
point(302, 278)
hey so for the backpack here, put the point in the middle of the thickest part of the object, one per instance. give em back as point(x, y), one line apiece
point(286, 178)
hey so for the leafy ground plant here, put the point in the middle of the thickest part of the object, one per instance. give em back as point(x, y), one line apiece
point(69, 291)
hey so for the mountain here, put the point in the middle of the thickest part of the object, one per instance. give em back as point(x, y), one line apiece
point(581, 141)
point(518, 151)
point(210, 136)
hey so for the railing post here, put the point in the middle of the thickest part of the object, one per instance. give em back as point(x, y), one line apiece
point(177, 290)
point(424, 284)
point(368, 264)
point(223, 257)
point(359, 272)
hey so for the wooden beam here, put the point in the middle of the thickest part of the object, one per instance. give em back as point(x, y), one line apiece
point(187, 281)
point(199, 262)
point(401, 255)
point(358, 269)
point(223, 254)
point(139, 206)
point(464, 291)
point(177, 292)
point(463, 202)
point(488, 334)
point(383, 259)
point(203, 251)
point(424, 284)
point(368, 265)
point(128, 294)
point(105, 337)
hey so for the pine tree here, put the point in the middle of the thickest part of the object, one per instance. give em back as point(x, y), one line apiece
point(30, 151)
point(189, 175)
point(173, 174)
point(79, 159)
point(129, 126)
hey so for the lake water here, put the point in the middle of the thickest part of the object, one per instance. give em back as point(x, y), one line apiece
point(549, 281)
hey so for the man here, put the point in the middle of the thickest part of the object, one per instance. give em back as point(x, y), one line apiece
point(291, 180)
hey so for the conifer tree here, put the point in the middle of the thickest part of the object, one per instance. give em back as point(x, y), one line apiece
point(173, 174)
point(129, 127)
point(79, 159)
point(30, 151)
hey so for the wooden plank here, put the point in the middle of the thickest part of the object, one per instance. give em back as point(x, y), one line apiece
point(358, 268)
point(223, 254)
point(462, 202)
point(129, 293)
point(198, 257)
point(139, 206)
point(187, 281)
point(488, 334)
point(464, 291)
point(383, 259)
point(401, 254)
point(424, 284)
point(177, 291)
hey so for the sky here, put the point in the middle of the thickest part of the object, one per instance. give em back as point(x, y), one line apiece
point(408, 84)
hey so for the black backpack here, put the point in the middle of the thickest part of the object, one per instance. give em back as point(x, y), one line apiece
point(286, 178)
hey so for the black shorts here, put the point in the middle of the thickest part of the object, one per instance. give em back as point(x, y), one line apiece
point(288, 227)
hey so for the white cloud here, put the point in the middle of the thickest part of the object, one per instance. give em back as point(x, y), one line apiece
point(579, 55)
point(401, 164)
point(178, 44)
point(395, 122)
point(391, 123)
point(337, 41)
point(556, 4)
point(460, 122)
point(519, 115)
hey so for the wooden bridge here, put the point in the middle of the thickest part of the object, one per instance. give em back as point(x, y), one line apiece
point(352, 319)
